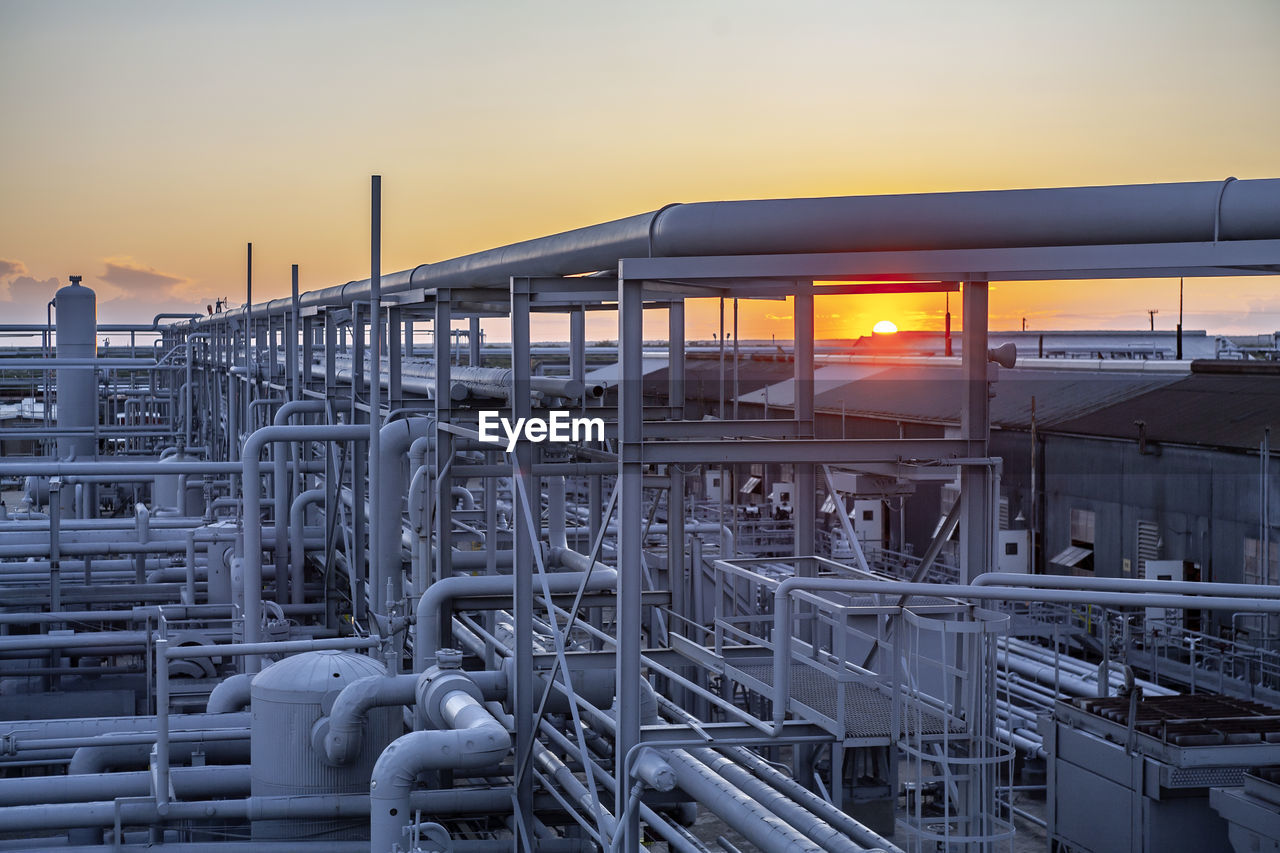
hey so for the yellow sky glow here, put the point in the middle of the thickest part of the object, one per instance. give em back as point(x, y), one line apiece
point(147, 141)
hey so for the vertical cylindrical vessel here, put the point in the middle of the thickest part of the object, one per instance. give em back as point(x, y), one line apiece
point(288, 698)
point(77, 387)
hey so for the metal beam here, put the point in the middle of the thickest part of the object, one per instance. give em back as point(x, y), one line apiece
point(832, 451)
point(1140, 260)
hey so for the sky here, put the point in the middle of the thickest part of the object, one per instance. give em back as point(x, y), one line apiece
point(146, 141)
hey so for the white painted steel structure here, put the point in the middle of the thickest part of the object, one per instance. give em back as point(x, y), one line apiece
point(298, 479)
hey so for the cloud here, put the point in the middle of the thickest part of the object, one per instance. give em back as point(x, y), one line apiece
point(130, 291)
point(10, 268)
point(134, 280)
point(28, 296)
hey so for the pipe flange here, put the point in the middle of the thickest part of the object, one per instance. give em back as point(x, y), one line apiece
point(436, 684)
point(448, 659)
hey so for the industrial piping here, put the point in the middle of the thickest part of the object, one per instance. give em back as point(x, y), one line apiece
point(467, 737)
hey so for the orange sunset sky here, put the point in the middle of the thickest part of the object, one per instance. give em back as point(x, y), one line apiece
point(144, 143)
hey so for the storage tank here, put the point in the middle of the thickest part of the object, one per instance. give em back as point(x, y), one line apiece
point(175, 494)
point(288, 698)
point(77, 387)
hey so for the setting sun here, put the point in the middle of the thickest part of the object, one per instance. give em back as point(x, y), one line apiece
point(884, 327)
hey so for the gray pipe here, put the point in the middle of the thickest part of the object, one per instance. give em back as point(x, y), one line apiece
point(419, 375)
point(231, 694)
point(1252, 590)
point(102, 814)
point(756, 823)
point(386, 582)
point(188, 783)
point(297, 548)
point(88, 727)
point(556, 512)
point(471, 739)
point(428, 630)
point(316, 845)
point(105, 757)
point(803, 820)
point(280, 486)
point(1151, 213)
point(793, 789)
point(577, 792)
point(251, 471)
point(782, 610)
point(343, 734)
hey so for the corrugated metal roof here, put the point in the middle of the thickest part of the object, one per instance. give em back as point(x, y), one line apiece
point(935, 394)
point(825, 379)
point(609, 375)
point(702, 377)
point(1203, 409)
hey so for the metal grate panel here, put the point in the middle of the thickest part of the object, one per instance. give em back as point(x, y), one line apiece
point(868, 712)
point(1205, 777)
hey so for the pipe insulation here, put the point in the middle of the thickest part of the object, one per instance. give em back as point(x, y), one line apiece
point(756, 823)
point(1202, 211)
point(468, 738)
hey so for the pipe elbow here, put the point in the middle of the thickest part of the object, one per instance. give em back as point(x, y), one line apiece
point(654, 771)
point(399, 435)
point(232, 694)
point(343, 729)
point(478, 740)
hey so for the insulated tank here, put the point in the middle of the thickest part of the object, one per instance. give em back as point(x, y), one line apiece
point(288, 698)
point(77, 387)
point(77, 391)
point(170, 496)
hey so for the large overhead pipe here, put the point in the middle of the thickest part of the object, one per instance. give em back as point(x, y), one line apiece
point(1201, 211)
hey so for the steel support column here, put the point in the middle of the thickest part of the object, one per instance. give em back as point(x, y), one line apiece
point(522, 544)
point(676, 573)
point(806, 483)
point(976, 522)
point(630, 546)
point(443, 352)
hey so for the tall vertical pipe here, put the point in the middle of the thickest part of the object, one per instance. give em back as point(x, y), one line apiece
point(249, 353)
point(375, 391)
point(291, 347)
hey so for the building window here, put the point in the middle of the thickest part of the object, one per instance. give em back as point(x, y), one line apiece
point(1253, 572)
point(868, 515)
point(1078, 556)
point(1148, 545)
point(1011, 549)
point(1082, 521)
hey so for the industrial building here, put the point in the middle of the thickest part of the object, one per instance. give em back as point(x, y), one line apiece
point(272, 581)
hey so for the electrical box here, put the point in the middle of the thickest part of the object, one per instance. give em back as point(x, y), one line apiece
point(1172, 570)
point(717, 485)
point(1013, 552)
point(868, 522)
point(781, 499)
